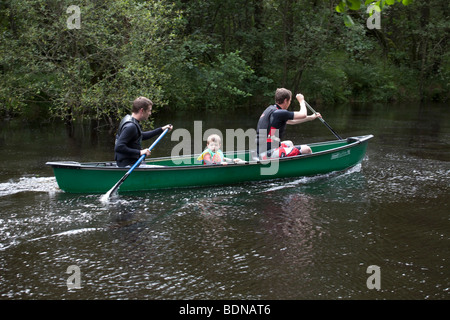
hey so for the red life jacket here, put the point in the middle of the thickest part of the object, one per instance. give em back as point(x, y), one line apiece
point(282, 151)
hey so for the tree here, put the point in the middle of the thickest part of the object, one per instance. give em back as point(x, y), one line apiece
point(94, 71)
point(217, 54)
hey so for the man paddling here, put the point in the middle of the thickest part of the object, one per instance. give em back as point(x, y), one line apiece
point(128, 148)
point(272, 125)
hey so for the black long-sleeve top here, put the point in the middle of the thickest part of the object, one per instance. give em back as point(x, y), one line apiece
point(128, 143)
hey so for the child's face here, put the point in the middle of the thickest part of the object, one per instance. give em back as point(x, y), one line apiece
point(214, 146)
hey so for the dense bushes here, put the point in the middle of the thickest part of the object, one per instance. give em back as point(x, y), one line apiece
point(214, 54)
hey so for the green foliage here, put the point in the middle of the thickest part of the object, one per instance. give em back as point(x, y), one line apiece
point(217, 54)
point(94, 71)
point(199, 81)
point(344, 5)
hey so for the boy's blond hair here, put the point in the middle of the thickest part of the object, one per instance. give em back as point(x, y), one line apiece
point(214, 138)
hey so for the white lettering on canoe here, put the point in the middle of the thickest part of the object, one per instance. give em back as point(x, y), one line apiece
point(340, 154)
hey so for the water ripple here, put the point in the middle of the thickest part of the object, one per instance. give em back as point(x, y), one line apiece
point(27, 184)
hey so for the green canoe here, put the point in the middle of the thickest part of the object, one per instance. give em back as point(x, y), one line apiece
point(186, 171)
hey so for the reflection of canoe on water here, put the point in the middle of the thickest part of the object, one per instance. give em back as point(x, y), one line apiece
point(186, 171)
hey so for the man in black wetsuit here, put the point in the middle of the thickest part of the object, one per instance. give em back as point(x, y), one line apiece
point(129, 136)
point(272, 124)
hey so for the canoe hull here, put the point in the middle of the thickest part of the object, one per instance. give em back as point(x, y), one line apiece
point(74, 177)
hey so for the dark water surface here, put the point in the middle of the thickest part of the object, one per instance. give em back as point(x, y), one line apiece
point(299, 238)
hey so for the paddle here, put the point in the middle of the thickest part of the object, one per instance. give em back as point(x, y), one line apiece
point(324, 122)
point(119, 183)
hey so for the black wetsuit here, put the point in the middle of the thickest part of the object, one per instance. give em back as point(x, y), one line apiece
point(128, 141)
point(273, 119)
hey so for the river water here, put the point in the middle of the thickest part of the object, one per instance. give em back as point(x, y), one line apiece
point(301, 238)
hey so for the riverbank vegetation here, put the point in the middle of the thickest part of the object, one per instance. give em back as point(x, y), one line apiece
point(92, 60)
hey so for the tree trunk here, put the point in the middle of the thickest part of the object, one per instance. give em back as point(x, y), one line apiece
point(423, 52)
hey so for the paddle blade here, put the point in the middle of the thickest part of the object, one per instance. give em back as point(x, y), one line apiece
point(113, 190)
point(107, 195)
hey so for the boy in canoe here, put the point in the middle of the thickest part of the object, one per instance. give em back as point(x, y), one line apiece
point(212, 154)
point(128, 148)
point(272, 125)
